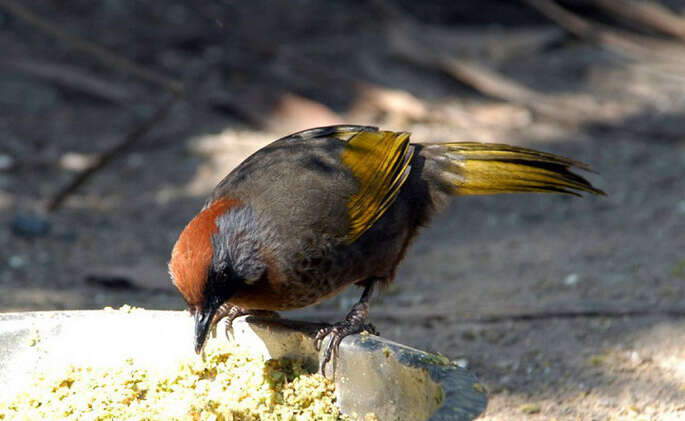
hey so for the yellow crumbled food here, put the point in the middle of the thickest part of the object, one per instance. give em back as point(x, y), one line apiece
point(229, 385)
point(34, 338)
point(124, 309)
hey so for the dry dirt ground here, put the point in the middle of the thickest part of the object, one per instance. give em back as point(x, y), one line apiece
point(485, 256)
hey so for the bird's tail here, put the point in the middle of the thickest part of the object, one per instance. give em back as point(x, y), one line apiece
point(464, 168)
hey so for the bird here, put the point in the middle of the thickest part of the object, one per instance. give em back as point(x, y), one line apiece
point(322, 209)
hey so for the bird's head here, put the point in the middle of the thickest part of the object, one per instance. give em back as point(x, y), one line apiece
point(212, 258)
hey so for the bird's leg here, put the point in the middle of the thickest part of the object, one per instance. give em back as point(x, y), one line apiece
point(232, 312)
point(354, 322)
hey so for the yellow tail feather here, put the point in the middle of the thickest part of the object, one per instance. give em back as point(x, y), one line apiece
point(488, 168)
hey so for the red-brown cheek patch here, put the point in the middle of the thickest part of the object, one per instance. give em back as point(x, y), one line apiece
point(192, 253)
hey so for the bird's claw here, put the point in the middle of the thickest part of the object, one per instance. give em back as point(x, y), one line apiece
point(228, 328)
point(338, 332)
point(235, 312)
point(369, 327)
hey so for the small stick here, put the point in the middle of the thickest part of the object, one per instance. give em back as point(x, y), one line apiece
point(105, 56)
point(70, 77)
point(133, 137)
point(651, 15)
point(406, 43)
point(629, 45)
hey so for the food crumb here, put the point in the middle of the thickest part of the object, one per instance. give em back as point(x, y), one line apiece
point(230, 383)
point(530, 408)
point(33, 339)
point(126, 308)
point(436, 359)
point(478, 388)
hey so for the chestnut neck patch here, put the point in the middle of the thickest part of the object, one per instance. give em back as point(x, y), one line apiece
point(193, 251)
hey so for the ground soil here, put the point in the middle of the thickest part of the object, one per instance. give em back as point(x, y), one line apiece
point(484, 256)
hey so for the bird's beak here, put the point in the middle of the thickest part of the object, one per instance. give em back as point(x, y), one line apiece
point(203, 322)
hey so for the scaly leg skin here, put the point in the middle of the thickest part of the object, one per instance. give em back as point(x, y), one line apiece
point(355, 322)
point(232, 312)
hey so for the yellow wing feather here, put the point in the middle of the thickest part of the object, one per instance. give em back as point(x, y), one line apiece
point(380, 161)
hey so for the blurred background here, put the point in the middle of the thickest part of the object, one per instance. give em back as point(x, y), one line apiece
point(118, 117)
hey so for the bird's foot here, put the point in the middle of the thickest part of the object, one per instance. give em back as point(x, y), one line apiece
point(355, 322)
point(240, 312)
point(231, 312)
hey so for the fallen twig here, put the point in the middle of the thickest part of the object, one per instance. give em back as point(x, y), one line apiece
point(629, 45)
point(133, 137)
point(410, 40)
point(94, 50)
point(649, 14)
point(496, 85)
point(70, 77)
point(418, 44)
point(91, 85)
point(469, 42)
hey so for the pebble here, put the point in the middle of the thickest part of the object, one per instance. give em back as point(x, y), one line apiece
point(16, 262)
point(6, 162)
point(571, 279)
point(30, 225)
point(73, 161)
point(461, 362)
